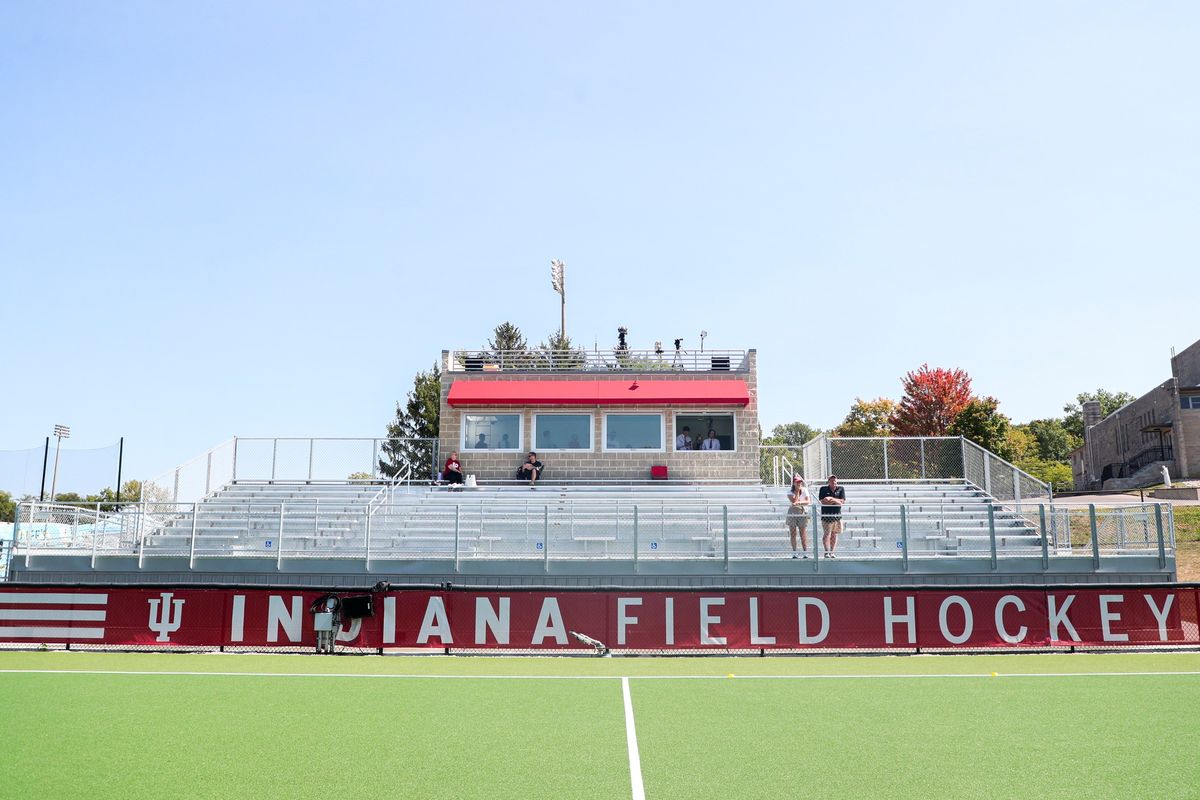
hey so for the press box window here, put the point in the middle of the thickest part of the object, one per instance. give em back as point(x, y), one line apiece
point(562, 432)
point(491, 432)
point(698, 426)
point(633, 432)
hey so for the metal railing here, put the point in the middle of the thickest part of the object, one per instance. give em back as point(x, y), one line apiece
point(403, 526)
point(308, 459)
point(608, 361)
point(777, 463)
point(1164, 452)
point(904, 458)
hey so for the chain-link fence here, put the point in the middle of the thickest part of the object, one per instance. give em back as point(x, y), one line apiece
point(312, 460)
point(388, 523)
point(927, 458)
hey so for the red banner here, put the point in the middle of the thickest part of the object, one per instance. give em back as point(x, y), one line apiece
point(875, 619)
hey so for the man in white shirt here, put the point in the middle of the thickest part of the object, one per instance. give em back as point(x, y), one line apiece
point(712, 442)
point(684, 440)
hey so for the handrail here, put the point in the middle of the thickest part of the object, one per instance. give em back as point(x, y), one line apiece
point(628, 361)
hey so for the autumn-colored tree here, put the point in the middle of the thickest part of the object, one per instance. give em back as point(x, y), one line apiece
point(868, 418)
point(932, 400)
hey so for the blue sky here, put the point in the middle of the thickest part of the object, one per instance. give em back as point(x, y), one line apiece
point(262, 219)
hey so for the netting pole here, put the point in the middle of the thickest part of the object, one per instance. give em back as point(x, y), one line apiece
point(311, 443)
point(922, 458)
point(208, 474)
point(992, 532)
point(886, 476)
point(120, 463)
point(274, 457)
point(904, 536)
point(457, 519)
point(1095, 537)
point(45, 463)
point(546, 538)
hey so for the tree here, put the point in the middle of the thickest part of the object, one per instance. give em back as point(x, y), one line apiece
point(1055, 473)
point(868, 418)
point(981, 421)
point(8, 507)
point(786, 441)
point(412, 435)
point(1054, 441)
point(1109, 402)
point(561, 352)
point(792, 434)
point(1020, 443)
point(932, 399)
point(507, 336)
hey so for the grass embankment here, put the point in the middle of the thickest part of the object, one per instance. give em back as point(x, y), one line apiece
point(1187, 542)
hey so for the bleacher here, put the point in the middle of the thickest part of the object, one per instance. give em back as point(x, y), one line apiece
point(578, 521)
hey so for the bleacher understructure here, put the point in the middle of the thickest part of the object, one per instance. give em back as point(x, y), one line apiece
point(589, 534)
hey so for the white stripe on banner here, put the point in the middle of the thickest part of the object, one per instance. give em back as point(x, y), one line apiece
point(75, 615)
point(33, 598)
point(51, 633)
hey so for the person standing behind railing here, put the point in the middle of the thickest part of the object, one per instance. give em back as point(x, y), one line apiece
point(832, 497)
point(797, 516)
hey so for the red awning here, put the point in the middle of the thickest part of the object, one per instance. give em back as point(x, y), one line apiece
point(599, 393)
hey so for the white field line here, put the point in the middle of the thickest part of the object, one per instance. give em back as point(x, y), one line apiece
point(414, 676)
point(635, 760)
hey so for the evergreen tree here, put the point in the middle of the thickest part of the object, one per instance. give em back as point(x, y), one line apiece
point(412, 435)
point(507, 337)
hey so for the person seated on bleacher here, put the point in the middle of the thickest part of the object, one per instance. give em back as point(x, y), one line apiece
point(452, 473)
point(531, 470)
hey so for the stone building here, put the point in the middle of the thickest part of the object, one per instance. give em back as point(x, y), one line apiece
point(597, 416)
point(1128, 448)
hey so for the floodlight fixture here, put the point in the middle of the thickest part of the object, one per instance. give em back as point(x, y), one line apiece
point(61, 432)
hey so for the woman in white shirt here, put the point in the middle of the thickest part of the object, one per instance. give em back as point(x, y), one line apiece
point(797, 516)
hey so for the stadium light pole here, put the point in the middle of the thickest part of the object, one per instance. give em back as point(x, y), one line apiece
point(558, 281)
point(62, 432)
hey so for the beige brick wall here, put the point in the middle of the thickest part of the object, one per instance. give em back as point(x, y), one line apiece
point(740, 464)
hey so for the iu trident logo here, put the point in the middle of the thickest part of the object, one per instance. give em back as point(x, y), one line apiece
point(167, 622)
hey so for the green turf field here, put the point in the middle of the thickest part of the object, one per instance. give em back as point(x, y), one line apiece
point(91, 725)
